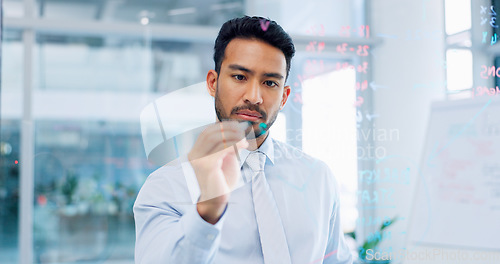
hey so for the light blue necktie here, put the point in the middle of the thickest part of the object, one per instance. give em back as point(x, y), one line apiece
point(272, 234)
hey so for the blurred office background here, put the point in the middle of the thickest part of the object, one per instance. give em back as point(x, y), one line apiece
point(76, 75)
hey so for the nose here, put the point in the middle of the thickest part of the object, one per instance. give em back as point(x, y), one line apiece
point(253, 93)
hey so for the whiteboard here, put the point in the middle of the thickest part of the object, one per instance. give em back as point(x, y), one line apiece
point(457, 198)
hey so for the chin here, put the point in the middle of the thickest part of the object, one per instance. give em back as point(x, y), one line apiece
point(258, 131)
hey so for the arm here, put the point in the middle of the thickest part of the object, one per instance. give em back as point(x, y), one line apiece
point(200, 186)
point(164, 235)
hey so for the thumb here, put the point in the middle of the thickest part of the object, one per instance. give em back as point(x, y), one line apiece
point(231, 169)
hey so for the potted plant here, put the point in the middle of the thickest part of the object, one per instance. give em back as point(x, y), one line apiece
point(367, 252)
point(68, 189)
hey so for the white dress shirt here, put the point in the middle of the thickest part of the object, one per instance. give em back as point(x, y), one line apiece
point(170, 230)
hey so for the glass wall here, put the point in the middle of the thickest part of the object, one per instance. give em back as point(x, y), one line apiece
point(76, 76)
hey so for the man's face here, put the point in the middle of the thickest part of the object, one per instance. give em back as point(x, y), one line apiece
point(250, 86)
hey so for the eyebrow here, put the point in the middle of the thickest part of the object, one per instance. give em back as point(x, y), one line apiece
point(241, 68)
point(274, 75)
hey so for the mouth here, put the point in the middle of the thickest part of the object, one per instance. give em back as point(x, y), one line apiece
point(249, 115)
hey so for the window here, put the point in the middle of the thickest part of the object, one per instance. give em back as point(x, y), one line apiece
point(471, 42)
point(459, 69)
point(329, 132)
point(457, 16)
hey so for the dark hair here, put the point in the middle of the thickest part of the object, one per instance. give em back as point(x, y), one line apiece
point(253, 27)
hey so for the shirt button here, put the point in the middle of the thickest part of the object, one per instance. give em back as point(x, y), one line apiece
point(210, 236)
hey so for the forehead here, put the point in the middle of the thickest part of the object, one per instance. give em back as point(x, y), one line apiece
point(255, 55)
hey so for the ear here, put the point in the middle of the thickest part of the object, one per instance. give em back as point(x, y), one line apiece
point(286, 92)
point(212, 82)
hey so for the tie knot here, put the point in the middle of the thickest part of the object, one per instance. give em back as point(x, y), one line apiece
point(256, 161)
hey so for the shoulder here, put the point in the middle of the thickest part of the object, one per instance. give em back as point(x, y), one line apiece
point(286, 153)
point(166, 184)
point(165, 175)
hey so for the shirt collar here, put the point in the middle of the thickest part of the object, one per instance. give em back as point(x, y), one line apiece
point(267, 148)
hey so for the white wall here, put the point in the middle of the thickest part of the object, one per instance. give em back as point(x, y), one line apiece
point(414, 72)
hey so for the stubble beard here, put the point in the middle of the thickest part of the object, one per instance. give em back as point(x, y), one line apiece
point(222, 116)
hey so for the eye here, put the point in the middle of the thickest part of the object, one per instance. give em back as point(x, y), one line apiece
point(270, 83)
point(239, 77)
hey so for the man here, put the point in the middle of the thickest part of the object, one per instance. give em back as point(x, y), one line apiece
point(254, 199)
